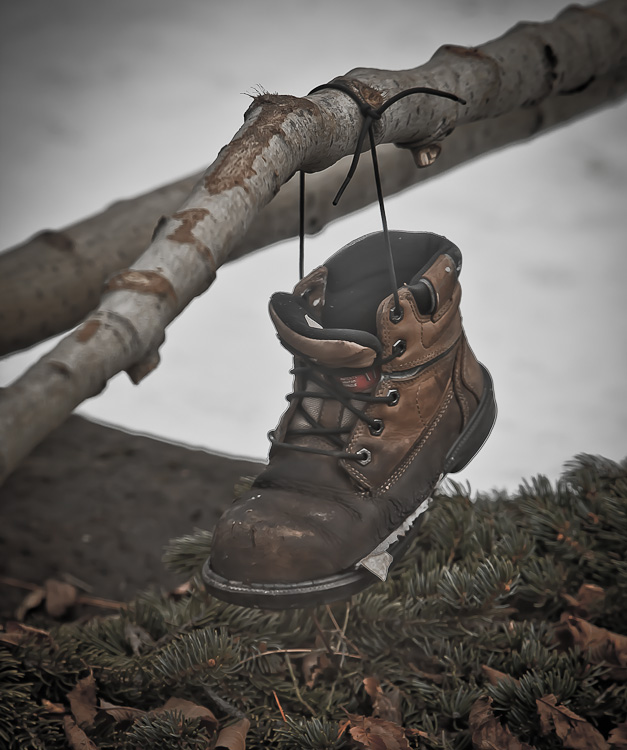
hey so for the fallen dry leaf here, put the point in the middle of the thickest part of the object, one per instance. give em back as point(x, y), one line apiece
point(16, 633)
point(27, 629)
point(33, 599)
point(418, 733)
point(487, 731)
point(432, 676)
point(603, 646)
point(60, 596)
point(189, 710)
point(385, 705)
point(494, 676)
point(13, 639)
point(76, 738)
point(83, 703)
point(52, 708)
point(574, 732)
point(120, 713)
point(618, 737)
point(377, 734)
point(233, 737)
point(589, 598)
point(313, 665)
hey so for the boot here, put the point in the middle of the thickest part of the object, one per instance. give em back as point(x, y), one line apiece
point(388, 398)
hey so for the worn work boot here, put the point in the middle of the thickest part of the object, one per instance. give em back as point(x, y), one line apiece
point(386, 402)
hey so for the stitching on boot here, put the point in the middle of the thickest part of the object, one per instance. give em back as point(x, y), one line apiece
point(422, 420)
point(409, 460)
point(355, 473)
point(463, 403)
point(442, 311)
point(466, 375)
point(458, 384)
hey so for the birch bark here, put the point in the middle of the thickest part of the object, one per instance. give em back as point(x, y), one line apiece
point(49, 283)
point(528, 69)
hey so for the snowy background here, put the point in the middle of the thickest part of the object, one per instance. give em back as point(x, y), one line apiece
point(105, 100)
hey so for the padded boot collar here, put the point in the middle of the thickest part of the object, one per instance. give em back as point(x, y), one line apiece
point(302, 334)
point(358, 277)
point(441, 277)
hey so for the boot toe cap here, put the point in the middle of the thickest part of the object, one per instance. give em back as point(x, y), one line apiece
point(276, 536)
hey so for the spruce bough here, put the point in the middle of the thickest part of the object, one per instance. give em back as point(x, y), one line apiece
point(505, 623)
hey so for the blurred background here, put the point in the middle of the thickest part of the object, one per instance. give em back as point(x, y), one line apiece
point(102, 101)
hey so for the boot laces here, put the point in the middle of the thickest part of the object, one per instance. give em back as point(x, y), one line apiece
point(370, 115)
point(329, 389)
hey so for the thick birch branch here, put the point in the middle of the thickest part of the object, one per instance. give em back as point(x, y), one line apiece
point(49, 283)
point(532, 67)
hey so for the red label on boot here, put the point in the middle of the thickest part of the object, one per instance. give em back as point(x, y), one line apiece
point(364, 381)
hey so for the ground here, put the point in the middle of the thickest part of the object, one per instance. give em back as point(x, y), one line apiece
point(98, 505)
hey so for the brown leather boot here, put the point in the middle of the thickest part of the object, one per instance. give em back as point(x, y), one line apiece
point(386, 402)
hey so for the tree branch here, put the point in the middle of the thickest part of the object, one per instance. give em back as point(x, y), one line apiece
point(520, 78)
point(50, 282)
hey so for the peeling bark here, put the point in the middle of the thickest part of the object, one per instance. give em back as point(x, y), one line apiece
point(49, 283)
point(522, 79)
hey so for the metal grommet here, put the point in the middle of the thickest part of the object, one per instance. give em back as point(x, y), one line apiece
point(399, 347)
point(393, 397)
point(376, 428)
point(396, 314)
point(366, 456)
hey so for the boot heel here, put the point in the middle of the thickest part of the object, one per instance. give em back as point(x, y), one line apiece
point(476, 432)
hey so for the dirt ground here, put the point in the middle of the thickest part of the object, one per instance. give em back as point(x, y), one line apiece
point(97, 504)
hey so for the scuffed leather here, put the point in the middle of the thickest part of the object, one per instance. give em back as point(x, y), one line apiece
point(309, 516)
point(278, 535)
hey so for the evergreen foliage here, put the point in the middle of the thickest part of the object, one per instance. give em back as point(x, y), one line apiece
point(506, 610)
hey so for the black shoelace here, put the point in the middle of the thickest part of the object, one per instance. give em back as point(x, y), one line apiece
point(332, 391)
point(309, 371)
point(370, 116)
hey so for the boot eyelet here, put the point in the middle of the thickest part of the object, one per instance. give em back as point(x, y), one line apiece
point(366, 456)
point(399, 347)
point(396, 314)
point(376, 428)
point(393, 397)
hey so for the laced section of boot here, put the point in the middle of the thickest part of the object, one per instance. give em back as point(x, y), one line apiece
point(331, 390)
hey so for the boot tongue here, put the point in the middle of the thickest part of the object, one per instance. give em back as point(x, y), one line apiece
point(348, 358)
point(301, 331)
point(357, 277)
point(433, 283)
point(362, 382)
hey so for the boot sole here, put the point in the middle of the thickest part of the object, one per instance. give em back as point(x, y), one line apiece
point(344, 585)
